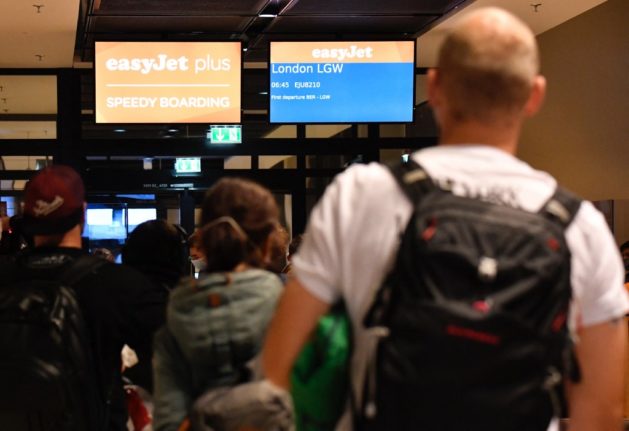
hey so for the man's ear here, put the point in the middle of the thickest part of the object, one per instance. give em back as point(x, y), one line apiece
point(84, 218)
point(432, 88)
point(536, 98)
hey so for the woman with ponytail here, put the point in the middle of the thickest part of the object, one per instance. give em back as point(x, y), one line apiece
point(215, 324)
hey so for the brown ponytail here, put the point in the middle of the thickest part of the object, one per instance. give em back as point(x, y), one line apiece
point(237, 217)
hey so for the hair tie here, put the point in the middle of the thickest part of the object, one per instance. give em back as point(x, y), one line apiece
point(230, 221)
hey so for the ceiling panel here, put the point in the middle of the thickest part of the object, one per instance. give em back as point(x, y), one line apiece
point(376, 7)
point(37, 34)
point(254, 21)
point(348, 26)
point(160, 25)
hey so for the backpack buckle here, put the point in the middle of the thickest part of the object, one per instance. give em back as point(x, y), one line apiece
point(557, 209)
point(487, 269)
point(415, 175)
point(379, 332)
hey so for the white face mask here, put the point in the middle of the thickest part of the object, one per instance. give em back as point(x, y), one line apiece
point(199, 264)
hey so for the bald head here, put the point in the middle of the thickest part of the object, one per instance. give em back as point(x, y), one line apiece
point(487, 66)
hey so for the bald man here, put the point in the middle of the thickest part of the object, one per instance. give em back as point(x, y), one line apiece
point(486, 84)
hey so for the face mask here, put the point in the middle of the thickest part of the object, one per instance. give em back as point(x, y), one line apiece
point(199, 264)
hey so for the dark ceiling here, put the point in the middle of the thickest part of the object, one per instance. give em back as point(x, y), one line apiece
point(255, 23)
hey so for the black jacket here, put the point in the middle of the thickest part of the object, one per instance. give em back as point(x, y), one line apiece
point(119, 305)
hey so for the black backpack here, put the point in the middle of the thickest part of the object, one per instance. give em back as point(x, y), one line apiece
point(46, 368)
point(472, 320)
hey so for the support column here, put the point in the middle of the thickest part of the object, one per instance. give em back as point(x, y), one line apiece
point(300, 215)
point(69, 151)
point(186, 211)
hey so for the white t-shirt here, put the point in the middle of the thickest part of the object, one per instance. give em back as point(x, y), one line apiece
point(353, 232)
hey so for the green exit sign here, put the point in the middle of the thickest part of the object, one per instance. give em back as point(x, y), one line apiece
point(187, 166)
point(225, 135)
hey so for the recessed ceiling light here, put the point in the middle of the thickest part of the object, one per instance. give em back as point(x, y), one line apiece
point(120, 130)
point(173, 130)
point(267, 15)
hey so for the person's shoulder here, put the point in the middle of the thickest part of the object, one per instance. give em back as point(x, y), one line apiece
point(119, 270)
point(363, 183)
point(361, 174)
point(589, 219)
point(262, 276)
point(270, 282)
point(589, 236)
point(188, 286)
point(364, 173)
point(119, 277)
point(252, 278)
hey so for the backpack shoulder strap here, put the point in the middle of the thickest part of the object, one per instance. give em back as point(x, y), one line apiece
point(100, 412)
point(80, 268)
point(412, 179)
point(561, 207)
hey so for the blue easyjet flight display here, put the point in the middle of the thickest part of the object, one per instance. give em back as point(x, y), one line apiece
point(342, 82)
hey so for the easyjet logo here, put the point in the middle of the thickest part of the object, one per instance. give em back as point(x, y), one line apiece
point(341, 54)
point(162, 62)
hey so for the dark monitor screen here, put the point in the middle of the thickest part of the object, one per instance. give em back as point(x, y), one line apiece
point(342, 82)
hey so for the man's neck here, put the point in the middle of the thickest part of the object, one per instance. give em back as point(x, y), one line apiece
point(70, 239)
point(471, 132)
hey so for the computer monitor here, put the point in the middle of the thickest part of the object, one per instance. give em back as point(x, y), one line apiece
point(136, 216)
point(103, 222)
